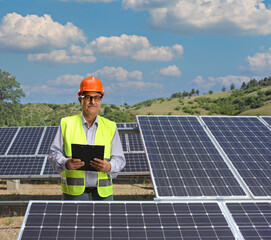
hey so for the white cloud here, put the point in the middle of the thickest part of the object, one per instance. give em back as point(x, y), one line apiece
point(116, 80)
point(171, 71)
point(134, 88)
point(226, 81)
point(235, 17)
point(74, 54)
point(121, 80)
point(32, 32)
point(67, 80)
point(117, 74)
point(46, 90)
point(146, 4)
point(135, 47)
point(260, 62)
point(125, 46)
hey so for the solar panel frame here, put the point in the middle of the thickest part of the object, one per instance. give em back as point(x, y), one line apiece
point(267, 119)
point(125, 220)
point(241, 150)
point(191, 186)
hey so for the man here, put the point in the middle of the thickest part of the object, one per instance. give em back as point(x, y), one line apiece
point(87, 128)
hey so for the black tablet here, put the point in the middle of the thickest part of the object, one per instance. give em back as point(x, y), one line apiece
point(87, 153)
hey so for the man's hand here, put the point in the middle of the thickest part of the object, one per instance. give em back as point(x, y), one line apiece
point(74, 163)
point(101, 165)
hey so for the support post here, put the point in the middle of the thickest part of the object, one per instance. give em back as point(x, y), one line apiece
point(13, 184)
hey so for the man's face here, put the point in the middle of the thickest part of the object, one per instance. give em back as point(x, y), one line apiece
point(90, 105)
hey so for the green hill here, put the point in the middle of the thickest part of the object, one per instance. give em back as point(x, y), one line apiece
point(252, 100)
point(255, 101)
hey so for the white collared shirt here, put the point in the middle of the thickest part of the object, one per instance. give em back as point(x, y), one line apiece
point(58, 159)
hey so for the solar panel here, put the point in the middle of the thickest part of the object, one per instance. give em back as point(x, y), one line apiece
point(28, 165)
point(47, 139)
point(6, 136)
point(131, 125)
point(247, 143)
point(267, 119)
point(135, 142)
point(123, 142)
point(26, 141)
point(252, 218)
point(183, 160)
point(136, 162)
point(120, 125)
point(36, 142)
point(124, 220)
point(48, 169)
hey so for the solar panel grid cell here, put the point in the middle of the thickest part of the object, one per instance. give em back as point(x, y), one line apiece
point(120, 125)
point(124, 220)
point(248, 148)
point(47, 139)
point(21, 165)
point(131, 125)
point(48, 169)
point(252, 218)
point(6, 136)
point(26, 141)
point(123, 142)
point(136, 162)
point(135, 142)
point(175, 145)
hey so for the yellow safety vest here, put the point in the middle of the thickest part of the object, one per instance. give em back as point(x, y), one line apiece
point(73, 181)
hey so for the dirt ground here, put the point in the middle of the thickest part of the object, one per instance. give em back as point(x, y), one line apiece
point(11, 216)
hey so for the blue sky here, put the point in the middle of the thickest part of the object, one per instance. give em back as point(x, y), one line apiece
point(139, 49)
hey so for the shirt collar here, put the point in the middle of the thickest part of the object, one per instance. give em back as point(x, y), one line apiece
point(84, 122)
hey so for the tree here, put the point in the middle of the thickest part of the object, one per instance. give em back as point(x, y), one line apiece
point(243, 85)
point(223, 89)
point(10, 94)
point(192, 92)
point(211, 92)
point(10, 89)
point(232, 87)
point(197, 92)
point(185, 94)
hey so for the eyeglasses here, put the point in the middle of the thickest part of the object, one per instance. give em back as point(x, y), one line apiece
point(89, 98)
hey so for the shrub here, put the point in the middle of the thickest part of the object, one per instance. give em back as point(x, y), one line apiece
point(188, 110)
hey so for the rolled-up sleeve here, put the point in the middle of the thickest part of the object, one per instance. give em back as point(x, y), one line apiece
point(117, 159)
point(56, 156)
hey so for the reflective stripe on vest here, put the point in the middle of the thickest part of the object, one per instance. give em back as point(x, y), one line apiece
point(73, 181)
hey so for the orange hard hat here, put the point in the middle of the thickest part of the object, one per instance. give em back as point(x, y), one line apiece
point(91, 84)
